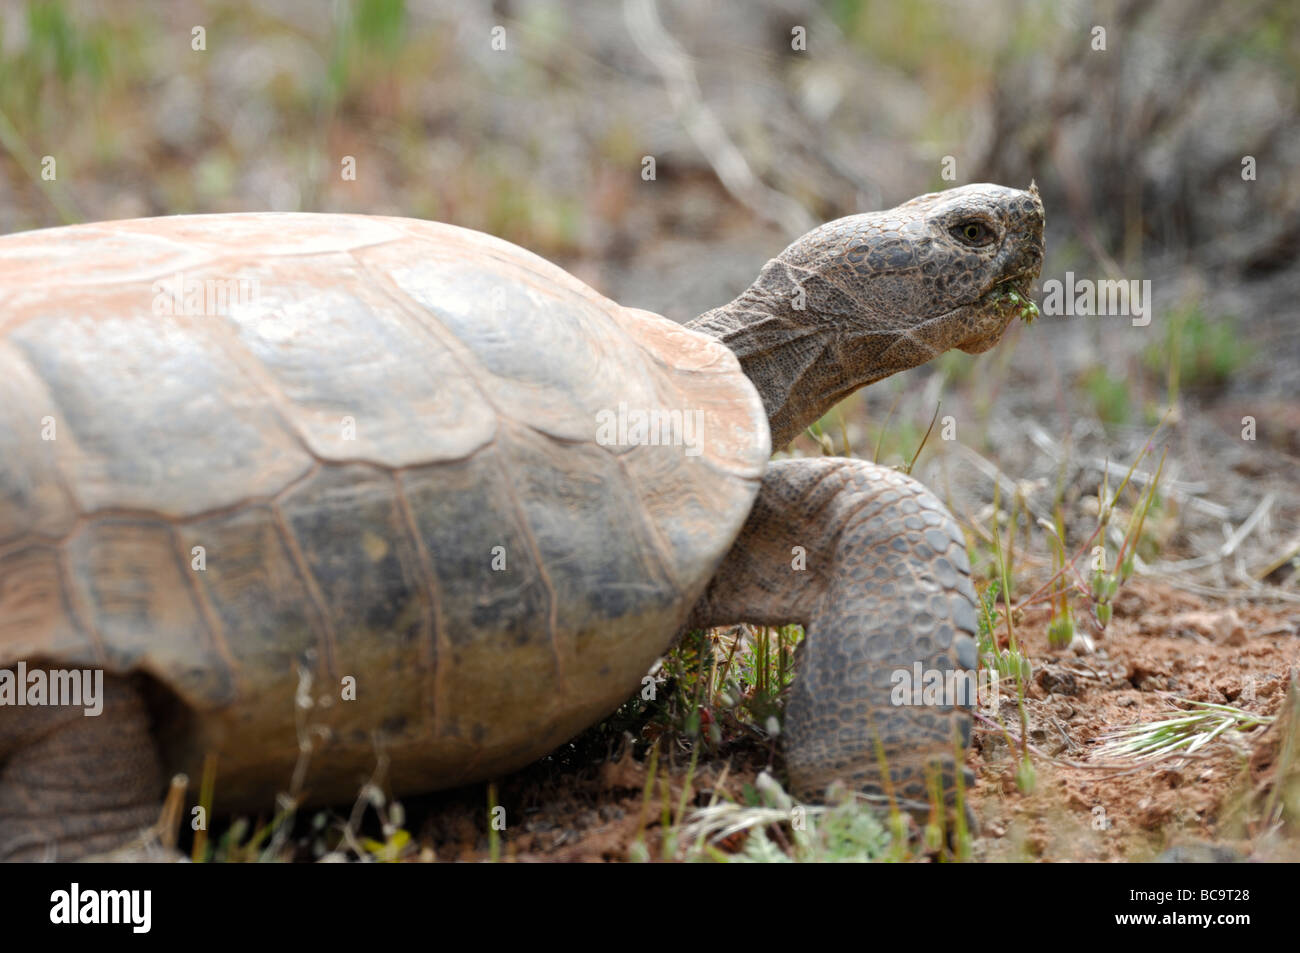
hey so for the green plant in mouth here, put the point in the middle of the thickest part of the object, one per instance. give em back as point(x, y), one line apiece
point(1007, 297)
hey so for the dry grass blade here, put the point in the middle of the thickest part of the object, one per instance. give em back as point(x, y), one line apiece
point(717, 822)
point(1178, 733)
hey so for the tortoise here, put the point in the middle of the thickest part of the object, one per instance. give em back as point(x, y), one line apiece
point(296, 491)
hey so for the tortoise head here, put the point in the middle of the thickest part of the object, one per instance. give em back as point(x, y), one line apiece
point(944, 270)
point(863, 297)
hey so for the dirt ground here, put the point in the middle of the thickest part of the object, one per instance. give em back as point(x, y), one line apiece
point(1161, 643)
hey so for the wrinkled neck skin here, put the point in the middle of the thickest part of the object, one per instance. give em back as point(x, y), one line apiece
point(804, 362)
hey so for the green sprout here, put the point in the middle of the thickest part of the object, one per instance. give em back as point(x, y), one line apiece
point(1006, 297)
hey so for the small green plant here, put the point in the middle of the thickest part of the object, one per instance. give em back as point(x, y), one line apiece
point(1109, 396)
point(1013, 661)
point(1197, 351)
point(818, 430)
point(1026, 774)
point(1104, 584)
point(1060, 630)
point(260, 847)
point(989, 616)
point(1006, 662)
point(727, 683)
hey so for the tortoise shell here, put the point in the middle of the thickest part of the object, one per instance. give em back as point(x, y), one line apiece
point(353, 483)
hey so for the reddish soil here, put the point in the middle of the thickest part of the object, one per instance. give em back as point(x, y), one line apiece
point(1161, 641)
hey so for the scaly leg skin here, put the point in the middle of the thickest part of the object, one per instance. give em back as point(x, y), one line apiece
point(73, 786)
point(886, 585)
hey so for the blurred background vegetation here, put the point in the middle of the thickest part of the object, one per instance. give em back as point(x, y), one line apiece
point(531, 119)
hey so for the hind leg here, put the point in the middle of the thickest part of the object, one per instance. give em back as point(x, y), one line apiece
point(72, 785)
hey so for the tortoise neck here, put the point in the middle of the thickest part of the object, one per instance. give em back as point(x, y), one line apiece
point(794, 356)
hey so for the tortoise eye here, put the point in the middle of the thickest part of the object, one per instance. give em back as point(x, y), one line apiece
point(974, 233)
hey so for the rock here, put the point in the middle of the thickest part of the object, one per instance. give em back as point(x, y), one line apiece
point(1223, 626)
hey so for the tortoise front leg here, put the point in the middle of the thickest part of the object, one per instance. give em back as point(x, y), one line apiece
point(886, 584)
point(72, 786)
